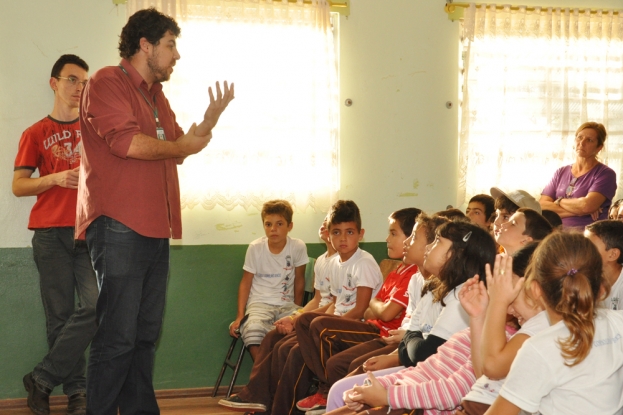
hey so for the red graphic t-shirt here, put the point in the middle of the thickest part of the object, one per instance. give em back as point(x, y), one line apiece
point(51, 146)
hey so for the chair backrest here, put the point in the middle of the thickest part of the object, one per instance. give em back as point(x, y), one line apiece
point(388, 265)
point(309, 280)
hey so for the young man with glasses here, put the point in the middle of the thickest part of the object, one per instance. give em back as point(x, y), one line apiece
point(53, 146)
point(129, 206)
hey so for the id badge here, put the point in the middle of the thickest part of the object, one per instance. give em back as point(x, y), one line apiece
point(160, 133)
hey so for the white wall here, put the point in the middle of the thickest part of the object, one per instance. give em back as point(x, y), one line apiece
point(399, 63)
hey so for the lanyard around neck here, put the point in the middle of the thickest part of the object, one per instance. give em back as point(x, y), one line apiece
point(153, 107)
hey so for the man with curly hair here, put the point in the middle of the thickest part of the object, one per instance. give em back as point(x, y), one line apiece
point(129, 206)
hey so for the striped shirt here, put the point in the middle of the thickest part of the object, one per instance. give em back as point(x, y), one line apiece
point(437, 384)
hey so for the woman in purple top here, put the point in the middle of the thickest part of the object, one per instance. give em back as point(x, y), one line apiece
point(582, 192)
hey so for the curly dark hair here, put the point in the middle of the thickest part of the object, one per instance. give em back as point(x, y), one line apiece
point(149, 24)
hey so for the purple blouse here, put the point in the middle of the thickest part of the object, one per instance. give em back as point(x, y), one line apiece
point(601, 179)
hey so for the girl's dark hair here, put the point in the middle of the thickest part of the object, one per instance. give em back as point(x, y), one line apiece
point(406, 219)
point(568, 268)
point(472, 248)
point(451, 213)
point(522, 257)
point(430, 225)
point(148, 23)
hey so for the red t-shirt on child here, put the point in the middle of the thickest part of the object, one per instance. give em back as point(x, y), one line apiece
point(395, 289)
point(51, 146)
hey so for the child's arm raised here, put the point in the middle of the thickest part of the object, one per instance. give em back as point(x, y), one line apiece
point(243, 295)
point(474, 299)
point(497, 353)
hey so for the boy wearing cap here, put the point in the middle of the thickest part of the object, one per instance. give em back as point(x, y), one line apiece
point(507, 203)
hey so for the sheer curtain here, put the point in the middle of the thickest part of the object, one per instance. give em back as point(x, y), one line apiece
point(279, 137)
point(530, 79)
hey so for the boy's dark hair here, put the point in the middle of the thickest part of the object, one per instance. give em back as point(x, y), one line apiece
point(64, 60)
point(611, 234)
point(553, 218)
point(522, 257)
point(488, 202)
point(406, 219)
point(345, 211)
point(148, 23)
point(451, 213)
point(278, 207)
point(502, 202)
point(472, 248)
point(537, 227)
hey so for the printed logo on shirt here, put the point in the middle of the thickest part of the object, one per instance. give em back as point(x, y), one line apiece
point(64, 150)
point(614, 303)
point(604, 342)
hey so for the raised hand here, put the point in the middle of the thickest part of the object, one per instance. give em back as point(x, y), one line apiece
point(500, 281)
point(474, 298)
point(216, 107)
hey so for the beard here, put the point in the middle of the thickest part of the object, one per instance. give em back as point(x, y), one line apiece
point(161, 74)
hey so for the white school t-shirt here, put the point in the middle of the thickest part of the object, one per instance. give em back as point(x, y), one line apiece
point(414, 291)
point(453, 317)
point(322, 277)
point(425, 314)
point(273, 274)
point(361, 270)
point(485, 390)
point(614, 301)
point(540, 381)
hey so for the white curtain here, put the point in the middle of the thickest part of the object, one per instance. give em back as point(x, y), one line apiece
point(530, 79)
point(279, 137)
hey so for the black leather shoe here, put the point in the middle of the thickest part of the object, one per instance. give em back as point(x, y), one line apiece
point(77, 404)
point(38, 396)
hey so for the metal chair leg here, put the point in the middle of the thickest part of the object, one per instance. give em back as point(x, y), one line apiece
point(224, 367)
point(236, 370)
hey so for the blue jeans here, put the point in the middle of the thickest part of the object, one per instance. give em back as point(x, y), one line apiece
point(132, 272)
point(64, 270)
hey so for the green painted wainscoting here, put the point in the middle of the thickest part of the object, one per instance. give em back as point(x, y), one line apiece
point(201, 303)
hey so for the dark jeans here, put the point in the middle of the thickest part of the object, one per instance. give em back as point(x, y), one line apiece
point(132, 273)
point(64, 270)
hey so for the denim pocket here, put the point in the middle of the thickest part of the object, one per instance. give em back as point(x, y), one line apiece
point(116, 226)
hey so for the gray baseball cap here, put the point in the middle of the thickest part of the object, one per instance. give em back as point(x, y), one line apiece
point(519, 197)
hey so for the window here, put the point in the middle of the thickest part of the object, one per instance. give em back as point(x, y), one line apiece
point(530, 79)
point(279, 137)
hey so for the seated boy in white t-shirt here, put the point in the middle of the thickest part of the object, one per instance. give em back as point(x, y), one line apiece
point(273, 280)
point(607, 236)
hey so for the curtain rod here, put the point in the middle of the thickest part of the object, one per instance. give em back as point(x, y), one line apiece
point(338, 6)
point(455, 10)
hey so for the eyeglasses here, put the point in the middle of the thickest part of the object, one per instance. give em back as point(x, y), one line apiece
point(571, 187)
point(73, 81)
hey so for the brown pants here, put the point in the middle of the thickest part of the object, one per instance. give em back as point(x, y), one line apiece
point(472, 408)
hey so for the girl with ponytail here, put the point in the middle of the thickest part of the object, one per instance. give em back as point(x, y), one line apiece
point(574, 366)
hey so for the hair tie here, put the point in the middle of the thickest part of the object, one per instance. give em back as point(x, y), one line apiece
point(467, 235)
point(572, 272)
